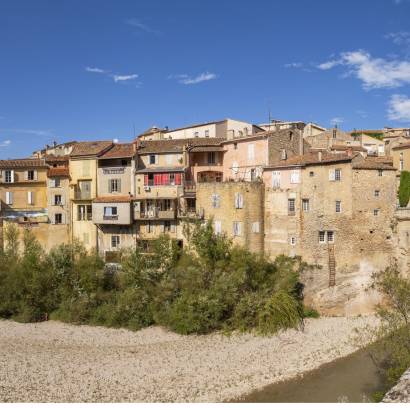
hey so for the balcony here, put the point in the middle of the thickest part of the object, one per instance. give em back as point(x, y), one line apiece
point(82, 195)
point(113, 170)
point(110, 217)
point(155, 214)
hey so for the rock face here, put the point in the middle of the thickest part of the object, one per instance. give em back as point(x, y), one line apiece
point(400, 393)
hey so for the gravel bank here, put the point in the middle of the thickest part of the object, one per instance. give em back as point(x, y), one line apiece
point(56, 362)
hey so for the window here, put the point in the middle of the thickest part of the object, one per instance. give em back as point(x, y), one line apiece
point(115, 241)
point(338, 207)
point(217, 227)
point(255, 227)
point(253, 174)
point(238, 200)
point(376, 212)
point(172, 179)
point(110, 211)
point(330, 237)
point(114, 185)
point(236, 229)
point(57, 200)
point(283, 154)
point(30, 198)
point(206, 133)
point(311, 174)
point(167, 226)
point(292, 240)
point(305, 205)
point(275, 179)
point(84, 212)
point(251, 152)
point(211, 157)
point(334, 133)
point(30, 175)
point(196, 134)
point(152, 159)
point(9, 176)
point(150, 227)
point(235, 145)
point(58, 219)
point(291, 206)
point(380, 172)
point(9, 198)
point(295, 176)
point(376, 193)
point(57, 182)
point(322, 238)
point(215, 200)
point(338, 174)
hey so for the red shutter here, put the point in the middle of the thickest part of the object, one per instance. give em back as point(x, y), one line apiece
point(146, 179)
point(157, 179)
point(177, 179)
point(165, 179)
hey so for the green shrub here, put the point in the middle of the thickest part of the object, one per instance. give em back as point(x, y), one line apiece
point(404, 188)
point(310, 312)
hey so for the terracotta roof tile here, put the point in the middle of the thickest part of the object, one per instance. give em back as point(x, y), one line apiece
point(177, 145)
point(23, 163)
point(347, 147)
point(119, 151)
point(89, 148)
point(371, 163)
point(109, 199)
point(312, 158)
point(58, 172)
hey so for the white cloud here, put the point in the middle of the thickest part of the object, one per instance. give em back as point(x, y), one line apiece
point(126, 77)
point(133, 22)
point(38, 133)
point(328, 64)
point(187, 80)
point(399, 37)
point(399, 108)
point(293, 65)
point(95, 70)
point(5, 143)
point(373, 72)
point(337, 120)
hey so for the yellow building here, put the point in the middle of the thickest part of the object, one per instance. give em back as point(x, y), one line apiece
point(83, 165)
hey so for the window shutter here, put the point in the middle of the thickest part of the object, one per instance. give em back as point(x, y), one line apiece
point(29, 197)
point(331, 174)
point(119, 185)
point(145, 179)
point(63, 221)
point(35, 175)
point(8, 198)
point(52, 183)
point(156, 158)
point(177, 179)
point(240, 198)
point(218, 227)
point(25, 175)
point(62, 200)
point(275, 179)
point(12, 175)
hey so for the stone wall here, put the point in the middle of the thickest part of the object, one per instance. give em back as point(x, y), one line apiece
point(400, 393)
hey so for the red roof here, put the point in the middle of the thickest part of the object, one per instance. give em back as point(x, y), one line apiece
point(119, 151)
point(58, 172)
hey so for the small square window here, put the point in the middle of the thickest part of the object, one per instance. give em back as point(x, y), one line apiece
point(322, 238)
point(376, 212)
point(376, 193)
point(291, 206)
point(338, 206)
point(311, 174)
point(380, 172)
point(30, 175)
point(58, 219)
point(330, 237)
point(292, 240)
point(115, 241)
point(207, 133)
point(338, 174)
point(152, 159)
point(196, 134)
point(305, 205)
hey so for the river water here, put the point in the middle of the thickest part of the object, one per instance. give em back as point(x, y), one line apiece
point(350, 379)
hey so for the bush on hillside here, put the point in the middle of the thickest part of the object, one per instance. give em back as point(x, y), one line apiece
point(404, 188)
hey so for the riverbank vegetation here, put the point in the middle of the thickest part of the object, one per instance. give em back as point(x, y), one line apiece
point(211, 286)
point(391, 348)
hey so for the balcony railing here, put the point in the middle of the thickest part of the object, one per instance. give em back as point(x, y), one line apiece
point(155, 214)
point(82, 195)
point(110, 217)
point(113, 170)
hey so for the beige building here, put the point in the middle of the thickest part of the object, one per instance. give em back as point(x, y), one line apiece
point(83, 166)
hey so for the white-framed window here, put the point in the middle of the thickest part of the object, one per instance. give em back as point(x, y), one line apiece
point(115, 241)
point(217, 227)
point(9, 198)
point(305, 205)
point(84, 212)
point(291, 206)
point(322, 237)
point(30, 198)
point(376, 212)
point(152, 159)
point(237, 228)
point(238, 200)
point(380, 172)
point(251, 152)
point(58, 219)
point(256, 227)
point(58, 200)
point(330, 236)
point(275, 179)
point(110, 211)
point(211, 157)
point(295, 176)
point(55, 182)
point(206, 133)
point(335, 174)
point(216, 200)
point(8, 176)
point(376, 193)
point(338, 206)
point(292, 240)
point(114, 185)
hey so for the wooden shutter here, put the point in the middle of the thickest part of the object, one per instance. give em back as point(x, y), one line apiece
point(63, 218)
point(62, 199)
point(146, 179)
point(109, 186)
point(12, 175)
point(331, 174)
point(35, 175)
point(9, 198)
point(119, 185)
point(52, 182)
point(177, 179)
point(25, 175)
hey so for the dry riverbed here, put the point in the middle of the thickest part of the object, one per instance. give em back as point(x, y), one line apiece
point(56, 362)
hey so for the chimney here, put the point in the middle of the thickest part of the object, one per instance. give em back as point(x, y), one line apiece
point(319, 156)
point(54, 144)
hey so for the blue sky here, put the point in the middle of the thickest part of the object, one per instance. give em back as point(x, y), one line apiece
point(78, 70)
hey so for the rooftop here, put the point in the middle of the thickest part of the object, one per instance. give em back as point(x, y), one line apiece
point(23, 163)
point(119, 151)
point(90, 148)
point(177, 145)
